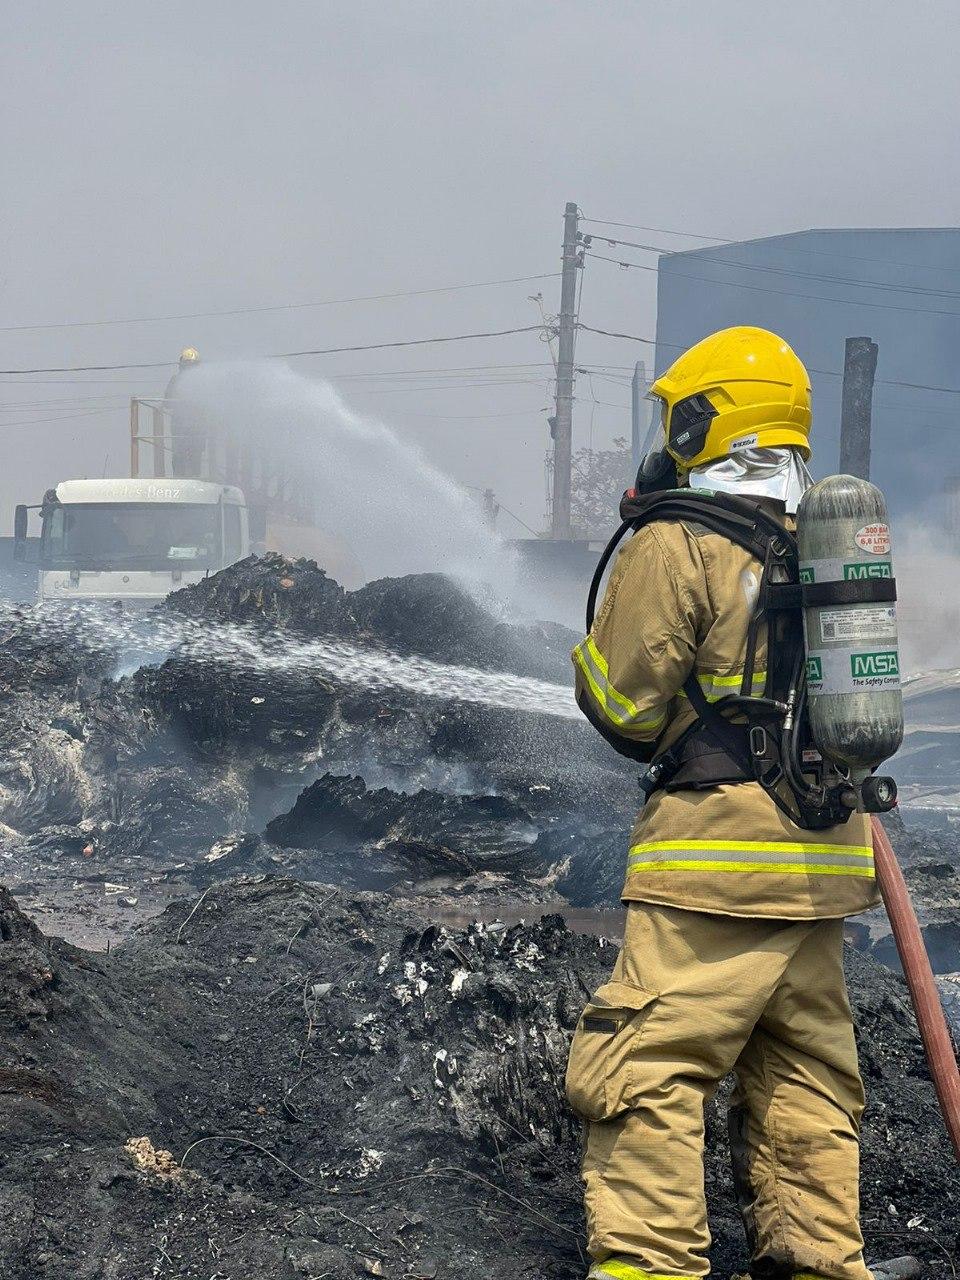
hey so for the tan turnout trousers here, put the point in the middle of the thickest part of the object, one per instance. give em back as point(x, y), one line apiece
point(693, 997)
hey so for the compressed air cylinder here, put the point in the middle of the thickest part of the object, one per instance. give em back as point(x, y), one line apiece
point(850, 623)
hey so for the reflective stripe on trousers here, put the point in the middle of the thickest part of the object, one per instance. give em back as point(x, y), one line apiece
point(776, 856)
point(615, 705)
point(621, 1269)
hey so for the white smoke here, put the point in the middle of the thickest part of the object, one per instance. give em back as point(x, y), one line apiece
point(926, 562)
point(383, 505)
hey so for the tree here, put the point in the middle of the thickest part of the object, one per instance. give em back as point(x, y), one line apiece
point(598, 481)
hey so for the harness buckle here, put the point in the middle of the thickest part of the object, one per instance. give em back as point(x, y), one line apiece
point(767, 768)
point(771, 776)
point(662, 769)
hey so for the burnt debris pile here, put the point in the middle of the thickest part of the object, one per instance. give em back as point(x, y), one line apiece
point(293, 1068)
point(388, 735)
point(276, 1080)
point(400, 737)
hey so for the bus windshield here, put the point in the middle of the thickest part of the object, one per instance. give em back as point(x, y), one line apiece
point(132, 535)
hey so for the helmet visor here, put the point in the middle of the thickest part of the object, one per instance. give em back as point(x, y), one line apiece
point(656, 437)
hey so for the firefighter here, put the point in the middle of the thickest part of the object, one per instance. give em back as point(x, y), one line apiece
point(732, 953)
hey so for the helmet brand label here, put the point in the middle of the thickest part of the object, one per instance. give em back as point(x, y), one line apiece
point(743, 442)
point(874, 538)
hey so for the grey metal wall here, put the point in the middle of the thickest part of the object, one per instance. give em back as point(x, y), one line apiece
point(816, 288)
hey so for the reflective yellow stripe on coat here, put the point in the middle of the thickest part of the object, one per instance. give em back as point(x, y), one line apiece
point(717, 687)
point(616, 706)
point(778, 857)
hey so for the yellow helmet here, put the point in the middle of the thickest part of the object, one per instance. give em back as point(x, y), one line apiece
point(741, 388)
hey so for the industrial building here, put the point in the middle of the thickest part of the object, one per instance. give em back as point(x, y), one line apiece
point(900, 287)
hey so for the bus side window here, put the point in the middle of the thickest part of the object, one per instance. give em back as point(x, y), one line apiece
point(232, 541)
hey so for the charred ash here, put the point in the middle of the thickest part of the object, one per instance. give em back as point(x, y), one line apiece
point(302, 1059)
point(344, 1089)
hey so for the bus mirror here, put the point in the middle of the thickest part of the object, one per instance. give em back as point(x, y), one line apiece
point(20, 532)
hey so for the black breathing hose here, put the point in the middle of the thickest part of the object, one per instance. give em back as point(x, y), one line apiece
point(601, 570)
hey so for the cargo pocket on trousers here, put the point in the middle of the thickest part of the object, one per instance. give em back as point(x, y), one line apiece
point(604, 1044)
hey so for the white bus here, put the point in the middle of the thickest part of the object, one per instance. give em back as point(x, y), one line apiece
point(134, 540)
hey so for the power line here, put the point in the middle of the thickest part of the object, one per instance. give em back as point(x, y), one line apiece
point(407, 342)
point(290, 355)
point(81, 382)
point(922, 290)
point(415, 382)
point(450, 386)
point(63, 417)
point(514, 516)
point(829, 373)
point(893, 382)
point(474, 417)
point(630, 337)
point(463, 368)
point(791, 248)
point(618, 262)
point(116, 382)
point(96, 368)
point(636, 226)
point(282, 306)
point(17, 405)
point(785, 293)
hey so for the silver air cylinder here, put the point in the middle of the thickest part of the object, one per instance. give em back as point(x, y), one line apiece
point(850, 624)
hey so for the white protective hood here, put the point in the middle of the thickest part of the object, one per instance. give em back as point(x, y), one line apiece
point(763, 473)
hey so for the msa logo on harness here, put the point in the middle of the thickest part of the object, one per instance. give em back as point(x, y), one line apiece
point(884, 662)
point(882, 569)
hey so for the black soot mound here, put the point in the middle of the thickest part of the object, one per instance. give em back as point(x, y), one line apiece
point(278, 1080)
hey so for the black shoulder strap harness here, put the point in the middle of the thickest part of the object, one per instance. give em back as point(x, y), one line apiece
point(746, 736)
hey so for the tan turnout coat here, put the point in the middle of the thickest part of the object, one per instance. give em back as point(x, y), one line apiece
point(680, 600)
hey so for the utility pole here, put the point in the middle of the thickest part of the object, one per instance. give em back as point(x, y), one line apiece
point(859, 367)
point(134, 438)
point(639, 388)
point(563, 424)
point(491, 509)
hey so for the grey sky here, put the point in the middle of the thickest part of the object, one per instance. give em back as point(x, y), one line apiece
point(189, 157)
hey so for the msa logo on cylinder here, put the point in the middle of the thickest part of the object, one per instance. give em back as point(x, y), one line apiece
point(814, 671)
point(881, 569)
point(884, 662)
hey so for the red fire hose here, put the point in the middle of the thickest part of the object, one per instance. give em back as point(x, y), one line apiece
point(920, 980)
